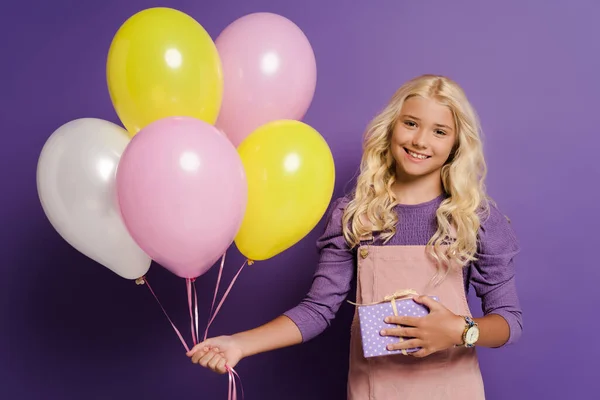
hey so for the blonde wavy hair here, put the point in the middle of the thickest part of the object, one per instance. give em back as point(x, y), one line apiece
point(371, 210)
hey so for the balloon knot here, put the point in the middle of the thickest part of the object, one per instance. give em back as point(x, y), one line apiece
point(140, 280)
point(192, 280)
point(250, 262)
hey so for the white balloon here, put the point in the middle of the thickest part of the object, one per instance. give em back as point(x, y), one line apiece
point(76, 176)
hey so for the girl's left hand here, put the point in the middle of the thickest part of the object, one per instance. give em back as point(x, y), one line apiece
point(439, 330)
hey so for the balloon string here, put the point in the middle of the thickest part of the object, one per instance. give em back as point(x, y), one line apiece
point(232, 387)
point(232, 373)
point(224, 296)
point(195, 307)
point(232, 395)
point(188, 282)
point(215, 294)
point(144, 280)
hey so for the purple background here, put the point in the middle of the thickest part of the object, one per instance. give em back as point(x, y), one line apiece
point(70, 329)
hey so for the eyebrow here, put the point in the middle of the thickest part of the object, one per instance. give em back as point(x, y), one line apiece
point(418, 119)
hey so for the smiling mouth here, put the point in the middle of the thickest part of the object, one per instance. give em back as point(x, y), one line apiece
point(416, 155)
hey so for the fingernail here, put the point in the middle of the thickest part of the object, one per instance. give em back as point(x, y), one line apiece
point(389, 347)
point(387, 320)
point(206, 349)
point(383, 332)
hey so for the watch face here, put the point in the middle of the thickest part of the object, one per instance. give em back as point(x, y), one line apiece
point(472, 335)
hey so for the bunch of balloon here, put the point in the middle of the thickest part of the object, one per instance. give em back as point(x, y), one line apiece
point(213, 151)
point(169, 186)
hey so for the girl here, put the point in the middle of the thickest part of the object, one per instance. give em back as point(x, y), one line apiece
point(419, 218)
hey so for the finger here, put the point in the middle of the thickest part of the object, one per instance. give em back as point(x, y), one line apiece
point(421, 353)
point(199, 354)
point(196, 348)
point(221, 366)
point(207, 357)
point(428, 302)
point(404, 320)
point(405, 344)
point(207, 344)
point(401, 332)
point(212, 364)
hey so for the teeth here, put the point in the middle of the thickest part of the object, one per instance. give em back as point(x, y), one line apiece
point(415, 155)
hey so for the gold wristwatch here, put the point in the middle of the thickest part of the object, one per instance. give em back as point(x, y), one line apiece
point(471, 332)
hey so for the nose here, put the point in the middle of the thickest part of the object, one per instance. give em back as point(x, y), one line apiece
point(419, 139)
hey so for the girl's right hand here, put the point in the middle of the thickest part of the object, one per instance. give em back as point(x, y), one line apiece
point(217, 353)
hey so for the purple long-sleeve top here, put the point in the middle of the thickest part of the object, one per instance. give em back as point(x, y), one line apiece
point(492, 275)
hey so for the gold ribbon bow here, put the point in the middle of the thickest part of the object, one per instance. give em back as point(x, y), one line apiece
point(401, 294)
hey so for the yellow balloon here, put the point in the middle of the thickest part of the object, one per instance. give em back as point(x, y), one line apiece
point(162, 63)
point(291, 175)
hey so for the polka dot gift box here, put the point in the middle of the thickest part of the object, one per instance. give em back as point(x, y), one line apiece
point(371, 323)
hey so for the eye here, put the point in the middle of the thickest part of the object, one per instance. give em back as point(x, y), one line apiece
point(410, 124)
point(440, 132)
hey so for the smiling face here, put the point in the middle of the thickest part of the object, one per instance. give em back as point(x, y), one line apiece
point(423, 138)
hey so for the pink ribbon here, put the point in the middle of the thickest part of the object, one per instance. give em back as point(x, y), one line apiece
point(215, 295)
point(232, 373)
point(143, 280)
point(232, 387)
point(192, 296)
point(191, 288)
point(224, 295)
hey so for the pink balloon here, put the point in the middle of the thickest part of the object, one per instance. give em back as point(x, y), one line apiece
point(182, 192)
point(269, 73)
